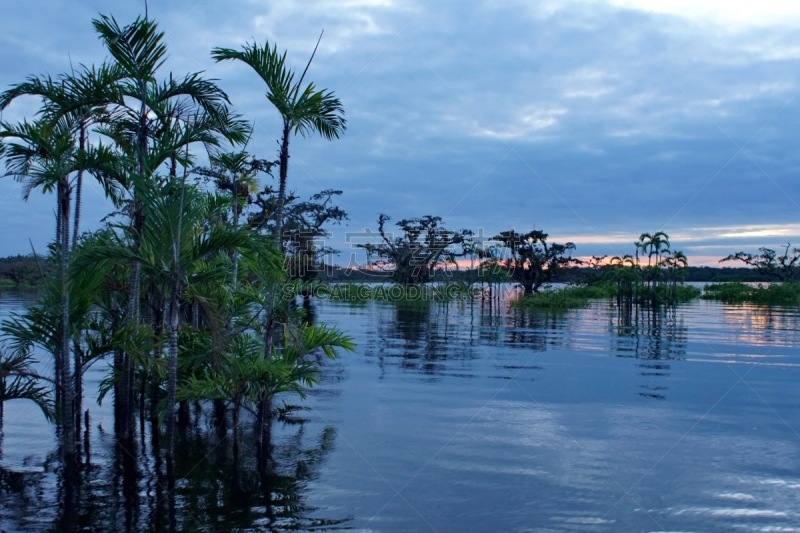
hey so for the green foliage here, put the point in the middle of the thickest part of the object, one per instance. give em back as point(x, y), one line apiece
point(22, 271)
point(786, 293)
point(596, 291)
point(562, 299)
point(169, 282)
point(658, 281)
point(245, 377)
point(18, 381)
point(666, 294)
point(306, 109)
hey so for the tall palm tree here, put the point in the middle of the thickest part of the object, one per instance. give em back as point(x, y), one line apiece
point(144, 110)
point(44, 155)
point(83, 98)
point(178, 249)
point(659, 245)
point(303, 110)
point(143, 104)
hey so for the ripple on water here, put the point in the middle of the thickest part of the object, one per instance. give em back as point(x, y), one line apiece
point(453, 418)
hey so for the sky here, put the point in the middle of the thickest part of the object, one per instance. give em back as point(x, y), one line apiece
point(592, 120)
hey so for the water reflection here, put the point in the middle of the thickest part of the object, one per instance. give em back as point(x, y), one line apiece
point(646, 332)
point(654, 335)
point(763, 325)
point(135, 492)
point(550, 416)
point(536, 330)
point(421, 336)
point(428, 337)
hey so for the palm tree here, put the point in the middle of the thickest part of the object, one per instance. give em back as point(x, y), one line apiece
point(247, 380)
point(144, 110)
point(303, 110)
point(83, 99)
point(655, 245)
point(179, 250)
point(676, 263)
point(234, 172)
point(144, 104)
point(43, 155)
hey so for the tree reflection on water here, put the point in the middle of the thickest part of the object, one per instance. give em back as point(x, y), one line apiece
point(206, 490)
point(654, 334)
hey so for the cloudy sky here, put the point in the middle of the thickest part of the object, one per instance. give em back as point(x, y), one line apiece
point(593, 120)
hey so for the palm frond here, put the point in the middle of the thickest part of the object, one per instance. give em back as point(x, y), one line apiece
point(138, 48)
point(267, 62)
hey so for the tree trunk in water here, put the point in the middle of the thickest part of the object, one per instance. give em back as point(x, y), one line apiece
point(86, 438)
point(134, 303)
point(119, 397)
point(78, 377)
point(309, 317)
point(264, 426)
point(528, 289)
point(174, 324)
point(68, 417)
point(75, 229)
point(125, 388)
point(184, 416)
point(172, 374)
point(236, 437)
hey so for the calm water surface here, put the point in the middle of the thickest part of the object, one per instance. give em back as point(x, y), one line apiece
point(470, 417)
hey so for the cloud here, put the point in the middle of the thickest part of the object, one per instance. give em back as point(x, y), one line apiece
point(737, 15)
point(591, 120)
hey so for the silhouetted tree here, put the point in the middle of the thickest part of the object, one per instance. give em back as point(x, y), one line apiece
point(530, 260)
point(783, 267)
point(304, 228)
point(413, 256)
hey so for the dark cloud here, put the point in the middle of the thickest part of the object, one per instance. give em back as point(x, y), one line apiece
point(583, 120)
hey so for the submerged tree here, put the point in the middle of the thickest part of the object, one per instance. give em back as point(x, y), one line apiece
point(304, 229)
point(44, 155)
point(530, 260)
point(304, 110)
point(412, 257)
point(655, 282)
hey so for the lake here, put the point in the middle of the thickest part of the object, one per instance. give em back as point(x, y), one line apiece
point(468, 416)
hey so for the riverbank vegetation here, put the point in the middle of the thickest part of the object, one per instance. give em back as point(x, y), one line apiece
point(782, 269)
point(786, 293)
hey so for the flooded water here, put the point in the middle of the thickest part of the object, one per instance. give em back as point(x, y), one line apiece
point(470, 417)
